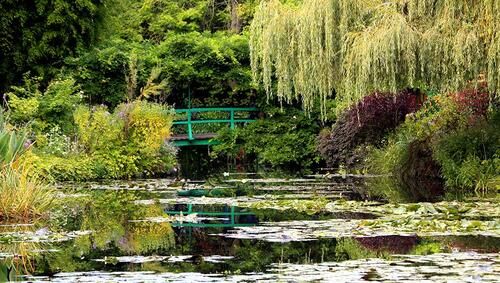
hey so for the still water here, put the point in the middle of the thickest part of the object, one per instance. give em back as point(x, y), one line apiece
point(146, 231)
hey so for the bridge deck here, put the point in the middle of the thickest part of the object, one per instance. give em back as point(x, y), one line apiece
point(205, 136)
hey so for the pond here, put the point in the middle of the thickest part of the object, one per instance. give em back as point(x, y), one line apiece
point(143, 231)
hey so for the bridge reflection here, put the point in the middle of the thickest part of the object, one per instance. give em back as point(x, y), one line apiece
point(213, 216)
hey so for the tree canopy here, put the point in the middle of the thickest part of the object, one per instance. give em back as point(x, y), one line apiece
point(351, 48)
point(36, 35)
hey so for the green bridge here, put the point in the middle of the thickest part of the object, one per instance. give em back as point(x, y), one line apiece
point(190, 138)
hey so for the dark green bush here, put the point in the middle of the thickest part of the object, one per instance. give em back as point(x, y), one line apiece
point(37, 35)
point(283, 140)
point(470, 158)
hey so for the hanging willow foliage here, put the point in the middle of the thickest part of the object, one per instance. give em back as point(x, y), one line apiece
point(354, 47)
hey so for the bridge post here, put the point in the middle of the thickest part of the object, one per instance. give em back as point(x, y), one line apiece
point(190, 126)
point(232, 120)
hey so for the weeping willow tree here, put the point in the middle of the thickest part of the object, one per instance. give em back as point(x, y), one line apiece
point(354, 47)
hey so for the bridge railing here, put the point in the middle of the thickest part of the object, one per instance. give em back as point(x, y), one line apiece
point(232, 120)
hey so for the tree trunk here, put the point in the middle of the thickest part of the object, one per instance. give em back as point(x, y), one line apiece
point(234, 25)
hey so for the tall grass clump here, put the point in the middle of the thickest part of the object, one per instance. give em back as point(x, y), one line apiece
point(23, 194)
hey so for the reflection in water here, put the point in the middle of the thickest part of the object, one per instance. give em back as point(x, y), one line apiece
point(213, 216)
point(120, 247)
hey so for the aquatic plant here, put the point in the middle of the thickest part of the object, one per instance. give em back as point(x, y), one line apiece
point(23, 195)
point(308, 206)
point(12, 143)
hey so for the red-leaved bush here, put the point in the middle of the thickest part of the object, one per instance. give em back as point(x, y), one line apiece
point(366, 123)
point(472, 102)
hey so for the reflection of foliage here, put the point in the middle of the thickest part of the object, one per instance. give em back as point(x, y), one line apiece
point(107, 215)
point(348, 248)
point(427, 248)
point(7, 272)
point(486, 244)
point(146, 238)
point(19, 257)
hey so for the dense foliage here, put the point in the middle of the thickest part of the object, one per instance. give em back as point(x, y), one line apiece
point(441, 145)
point(282, 141)
point(91, 81)
point(211, 69)
point(84, 96)
point(37, 35)
point(365, 124)
point(354, 47)
point(46, 109)
point(131, 141)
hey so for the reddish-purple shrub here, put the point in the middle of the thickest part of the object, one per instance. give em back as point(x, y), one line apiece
point(472, 102)
point(366, 123)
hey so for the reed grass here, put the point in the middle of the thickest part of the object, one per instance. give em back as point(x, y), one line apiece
point(23, 194)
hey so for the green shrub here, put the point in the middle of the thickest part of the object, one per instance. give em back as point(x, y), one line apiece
point(284, 141)
point(470, 158)
point(98, 129)
point(68, 168)
point(101, 71)
point(50, 108)
point(130, 142)
point(440, 150)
